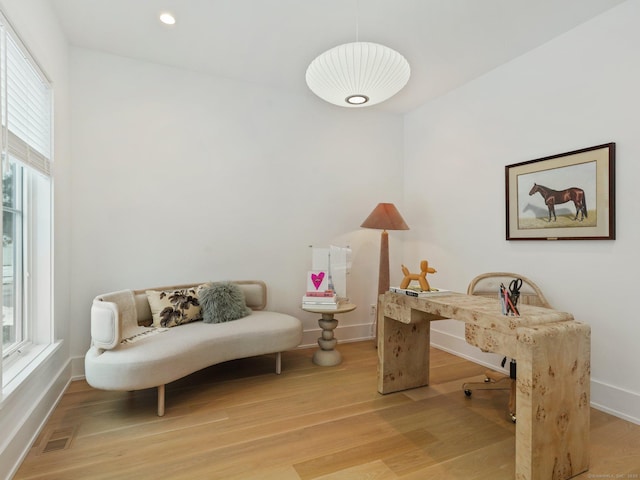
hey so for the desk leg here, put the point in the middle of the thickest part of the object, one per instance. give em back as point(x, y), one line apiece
point(403, 354)
point(552, 398)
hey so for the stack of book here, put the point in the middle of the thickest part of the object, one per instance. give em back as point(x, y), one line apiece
point(417, 292)
point(326, 300)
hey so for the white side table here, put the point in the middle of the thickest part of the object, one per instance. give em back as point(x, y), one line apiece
point(327, 356)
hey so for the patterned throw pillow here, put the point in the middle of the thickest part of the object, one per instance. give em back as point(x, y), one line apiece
point(173, 308)
point(222, 302)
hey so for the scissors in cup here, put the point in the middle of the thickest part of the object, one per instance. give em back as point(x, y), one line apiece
point(514, 290)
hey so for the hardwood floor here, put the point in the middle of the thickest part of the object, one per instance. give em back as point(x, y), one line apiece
point(239, 420)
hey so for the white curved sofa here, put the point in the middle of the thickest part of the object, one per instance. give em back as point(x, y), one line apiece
point(126, 353)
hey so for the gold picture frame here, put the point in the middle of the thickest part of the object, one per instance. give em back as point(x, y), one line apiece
point(569, 196)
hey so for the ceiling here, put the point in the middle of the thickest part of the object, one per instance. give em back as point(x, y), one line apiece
point(271, 42)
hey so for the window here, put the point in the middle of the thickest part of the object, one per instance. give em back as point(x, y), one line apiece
point(12, 259)
point(26, 104)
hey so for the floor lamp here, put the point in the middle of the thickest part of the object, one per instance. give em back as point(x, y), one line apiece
point(384, 217)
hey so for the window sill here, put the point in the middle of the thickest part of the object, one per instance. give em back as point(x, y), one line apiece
point(19, 370)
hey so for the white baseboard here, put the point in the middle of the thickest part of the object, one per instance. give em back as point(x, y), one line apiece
point(344, 334)
point(615, 401)
point(26, 414)
point(77, 368)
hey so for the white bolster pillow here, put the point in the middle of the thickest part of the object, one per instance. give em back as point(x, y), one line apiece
point(105, 325)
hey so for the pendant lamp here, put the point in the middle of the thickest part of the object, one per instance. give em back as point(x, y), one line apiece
point(358, 74)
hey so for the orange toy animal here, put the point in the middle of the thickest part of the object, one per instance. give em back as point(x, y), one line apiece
point(420, 277)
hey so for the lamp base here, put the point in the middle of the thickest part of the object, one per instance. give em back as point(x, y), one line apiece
point(383, 277)
point(383, 274)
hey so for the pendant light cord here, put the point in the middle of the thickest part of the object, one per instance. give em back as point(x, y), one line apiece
point(357, 20)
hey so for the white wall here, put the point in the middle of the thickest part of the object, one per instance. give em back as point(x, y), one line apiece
point(25, 411)
point(181, 177)
point(578, 90)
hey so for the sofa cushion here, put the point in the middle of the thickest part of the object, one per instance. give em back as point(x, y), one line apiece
point(222, 302)
point(172, 308)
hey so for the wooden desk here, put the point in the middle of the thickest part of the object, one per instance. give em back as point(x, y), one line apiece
point(553, 380)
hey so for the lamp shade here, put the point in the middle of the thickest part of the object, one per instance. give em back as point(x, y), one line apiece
point(358, 74)
point(385, 217)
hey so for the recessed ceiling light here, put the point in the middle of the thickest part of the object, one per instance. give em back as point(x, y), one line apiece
point(167, 18)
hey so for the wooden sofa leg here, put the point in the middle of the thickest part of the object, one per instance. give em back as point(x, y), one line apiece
point(278, 363)
point(161, 400)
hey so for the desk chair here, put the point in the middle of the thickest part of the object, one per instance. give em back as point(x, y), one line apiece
point(488, 285)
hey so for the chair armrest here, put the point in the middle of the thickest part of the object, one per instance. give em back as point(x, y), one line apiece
point(105, 325)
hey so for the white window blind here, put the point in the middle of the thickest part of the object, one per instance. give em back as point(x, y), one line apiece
point(26, 117)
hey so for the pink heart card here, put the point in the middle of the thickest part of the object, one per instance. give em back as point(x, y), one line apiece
point(317, 281)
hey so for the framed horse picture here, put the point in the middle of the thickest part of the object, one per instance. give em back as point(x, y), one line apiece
point(570, 196)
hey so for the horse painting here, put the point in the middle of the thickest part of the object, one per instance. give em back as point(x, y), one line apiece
point(557, 197)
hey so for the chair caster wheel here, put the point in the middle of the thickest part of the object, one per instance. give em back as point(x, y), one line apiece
point(467, 393)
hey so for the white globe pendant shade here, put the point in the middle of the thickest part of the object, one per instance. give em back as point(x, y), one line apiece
point(358, 74)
